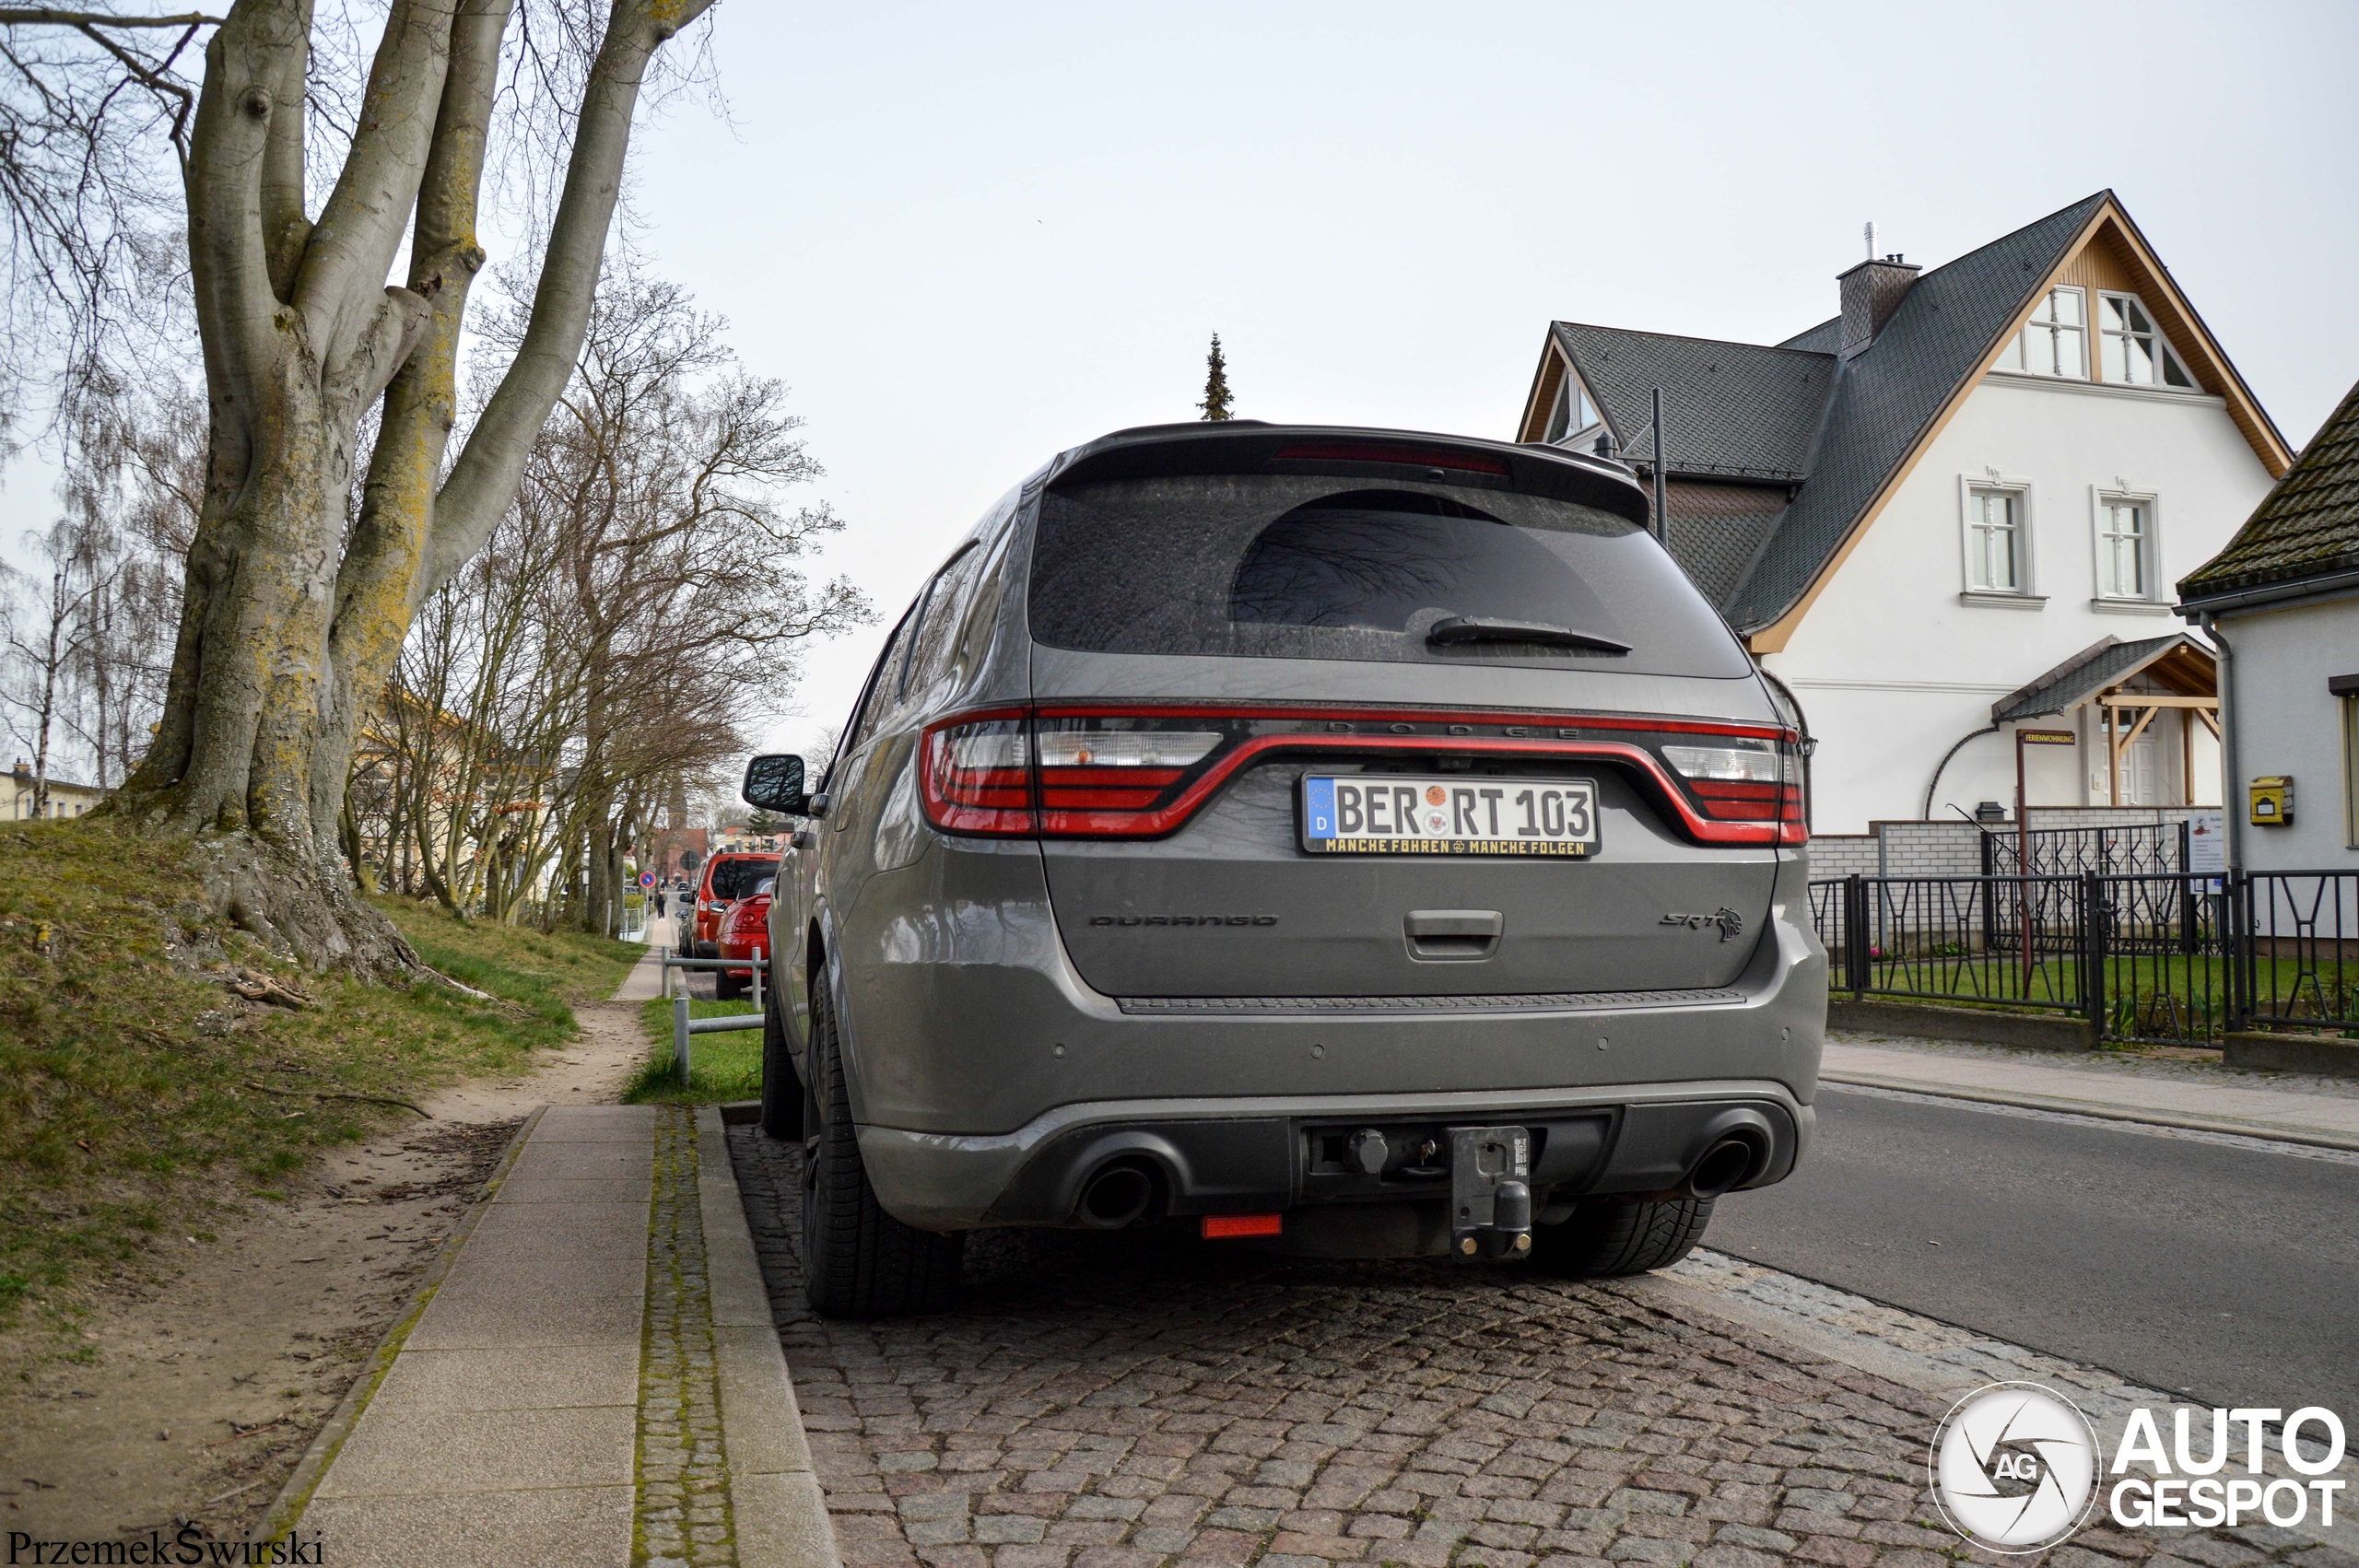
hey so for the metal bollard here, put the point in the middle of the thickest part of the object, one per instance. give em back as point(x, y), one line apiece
point(680, 1038)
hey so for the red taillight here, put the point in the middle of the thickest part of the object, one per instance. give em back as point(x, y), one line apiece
point(1392, 451)
point(1139, 772)
point(1748, 778)
point(1107, 775)
point(977, 774)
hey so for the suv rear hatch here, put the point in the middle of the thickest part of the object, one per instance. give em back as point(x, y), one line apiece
point(1247, 683)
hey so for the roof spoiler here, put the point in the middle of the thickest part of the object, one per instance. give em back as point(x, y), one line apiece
point(1248, 446)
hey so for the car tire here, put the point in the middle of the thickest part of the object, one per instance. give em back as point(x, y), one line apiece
point(781, 1086)
point(1611, 1236)
point(858, 1261)
point(726, 986)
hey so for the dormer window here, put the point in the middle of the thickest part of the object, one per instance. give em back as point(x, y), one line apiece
point(1574, 415)
point(2055, 341)
point(2131, 352)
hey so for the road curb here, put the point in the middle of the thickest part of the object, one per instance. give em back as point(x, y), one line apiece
point(2274, 1132)
point(775, 1499)
point(286, 1510)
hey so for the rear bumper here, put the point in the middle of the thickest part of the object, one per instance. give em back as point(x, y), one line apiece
point(1259, 1155)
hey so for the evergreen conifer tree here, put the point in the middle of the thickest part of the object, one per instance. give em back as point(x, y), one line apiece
point(1215, 404)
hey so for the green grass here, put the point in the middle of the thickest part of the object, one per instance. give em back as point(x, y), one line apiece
point(720, 1067)
point(136, 1094)
point(2138, 989)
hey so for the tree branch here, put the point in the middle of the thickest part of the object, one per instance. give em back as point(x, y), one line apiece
point(485, 478)
point(284, 229)
point(362, 224)
point(42, 16)
point(229, 267)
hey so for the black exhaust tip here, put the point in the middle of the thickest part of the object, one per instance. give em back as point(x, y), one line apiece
point(1724, 1164)
point(1115, 1196)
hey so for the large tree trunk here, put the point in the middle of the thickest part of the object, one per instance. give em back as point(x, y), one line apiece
point(288, 631)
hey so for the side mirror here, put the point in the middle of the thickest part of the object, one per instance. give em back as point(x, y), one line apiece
point(774, 783)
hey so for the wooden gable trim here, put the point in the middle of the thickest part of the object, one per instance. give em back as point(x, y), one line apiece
point(2126, 251)
point(2152, 282)
point(1543, 397)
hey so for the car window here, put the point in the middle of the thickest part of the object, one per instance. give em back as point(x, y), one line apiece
point(939, 616)
point(1301, 567)
point(875, 697)
point(735, 879)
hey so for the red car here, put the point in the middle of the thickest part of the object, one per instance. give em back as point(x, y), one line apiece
point(745, 933)
point(726, 879)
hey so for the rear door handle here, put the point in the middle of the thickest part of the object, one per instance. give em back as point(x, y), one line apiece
point(1443, 936)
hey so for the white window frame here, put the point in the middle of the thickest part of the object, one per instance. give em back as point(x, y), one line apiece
point(2026, 594)
point(2348, 708)
point(1568, 387)
point(2150, 549)
point(2166, 356)
point(2016, 355)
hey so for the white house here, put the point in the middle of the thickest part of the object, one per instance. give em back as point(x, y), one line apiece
point(1951, 512)
point(2282, 602)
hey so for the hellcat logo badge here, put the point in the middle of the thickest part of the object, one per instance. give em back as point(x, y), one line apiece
point(1730, 923)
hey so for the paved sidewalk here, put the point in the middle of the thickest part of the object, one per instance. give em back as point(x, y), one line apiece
point(592, 1376)
point(2093, 1085)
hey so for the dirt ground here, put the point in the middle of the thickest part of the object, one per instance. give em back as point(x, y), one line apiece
point(205, 1379)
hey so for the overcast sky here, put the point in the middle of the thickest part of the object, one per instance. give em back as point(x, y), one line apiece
point(969, 237)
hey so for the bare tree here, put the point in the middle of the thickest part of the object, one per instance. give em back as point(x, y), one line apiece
point(640, 602)
point(43, 629)
point(293, 610)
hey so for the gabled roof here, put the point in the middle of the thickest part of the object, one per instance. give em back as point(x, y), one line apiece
point(2176, 661)
point(2305, 529)
point(1747, 411)
point(1840, 434)
point(1945, 330)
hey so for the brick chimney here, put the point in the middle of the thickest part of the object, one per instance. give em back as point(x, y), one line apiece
point(1872, 292)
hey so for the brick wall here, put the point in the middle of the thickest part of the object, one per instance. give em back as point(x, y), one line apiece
point(1954, 847)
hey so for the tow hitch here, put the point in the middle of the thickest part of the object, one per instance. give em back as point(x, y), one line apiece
point(1490, 1191)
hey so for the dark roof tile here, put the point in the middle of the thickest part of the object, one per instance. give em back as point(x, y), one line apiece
point(1888, 393)
point(2093, 670)
point(2308, 526)
point(1735, 410)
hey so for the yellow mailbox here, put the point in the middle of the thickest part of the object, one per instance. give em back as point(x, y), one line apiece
point(2272, 800)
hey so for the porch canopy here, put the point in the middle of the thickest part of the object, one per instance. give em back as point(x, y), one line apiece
point(2129, 683)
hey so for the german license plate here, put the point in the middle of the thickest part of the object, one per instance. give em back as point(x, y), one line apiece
point(1384, 814)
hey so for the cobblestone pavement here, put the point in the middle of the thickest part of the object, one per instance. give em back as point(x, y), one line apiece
point(1123, 1402)
point(683, 1502)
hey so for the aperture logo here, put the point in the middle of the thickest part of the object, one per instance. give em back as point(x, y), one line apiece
point(2014, 1468)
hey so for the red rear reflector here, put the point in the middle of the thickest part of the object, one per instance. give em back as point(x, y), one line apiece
point(1387, 452)
point(1219, 1227)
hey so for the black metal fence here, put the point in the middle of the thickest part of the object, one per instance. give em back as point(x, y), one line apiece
point(2150, 957)
point(2142, 850)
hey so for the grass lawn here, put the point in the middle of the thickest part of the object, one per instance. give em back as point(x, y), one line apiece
point(2146, 993)
point(137, 1092)
point(720, 1067)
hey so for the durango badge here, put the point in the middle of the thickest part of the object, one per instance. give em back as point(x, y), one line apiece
point(1184, 919)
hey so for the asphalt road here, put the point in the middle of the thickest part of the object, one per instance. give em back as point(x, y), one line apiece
point(2228, 1272)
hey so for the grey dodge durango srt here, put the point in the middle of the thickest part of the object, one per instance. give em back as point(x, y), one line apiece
point(1356, 843)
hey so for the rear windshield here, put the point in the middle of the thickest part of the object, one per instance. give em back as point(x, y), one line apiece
point(1285, 566)
point(737, 879)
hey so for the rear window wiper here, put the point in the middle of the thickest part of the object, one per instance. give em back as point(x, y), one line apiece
point(1486, 628)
